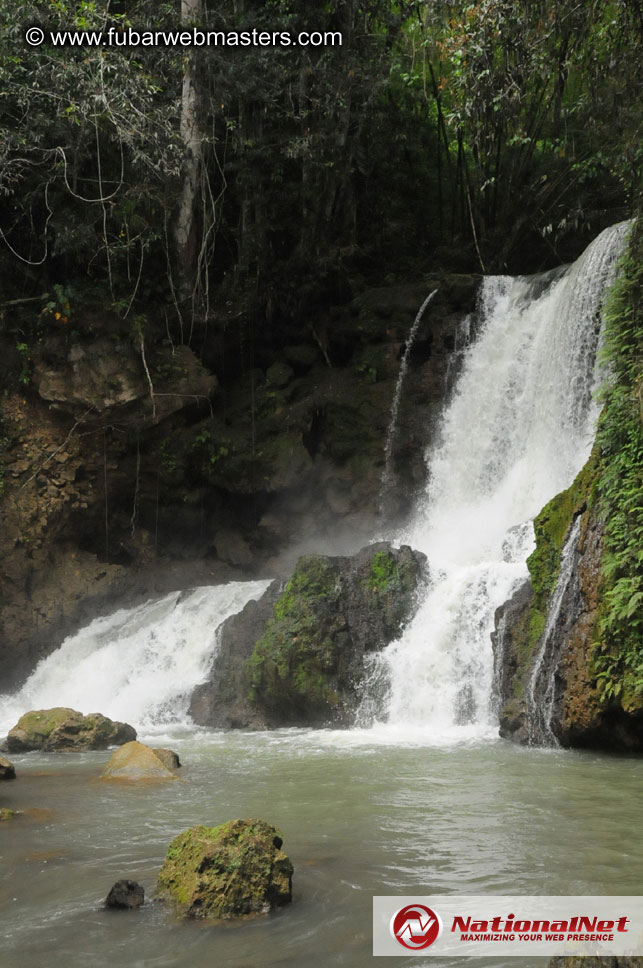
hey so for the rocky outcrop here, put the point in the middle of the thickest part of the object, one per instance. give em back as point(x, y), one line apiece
point(125, 895)
point(61, 730)
point(232, 870)
point(580, 715)
point(7, 769)
point(109, 375)
point(134, 761)
point(297, 656)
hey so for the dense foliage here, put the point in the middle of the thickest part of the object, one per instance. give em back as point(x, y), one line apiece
point(459, 133)
point(619, 650)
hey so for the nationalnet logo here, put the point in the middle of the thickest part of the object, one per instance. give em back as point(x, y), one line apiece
point(416, 926)
point(529, 926)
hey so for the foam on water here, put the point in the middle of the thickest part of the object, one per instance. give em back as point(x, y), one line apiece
point(138, 665)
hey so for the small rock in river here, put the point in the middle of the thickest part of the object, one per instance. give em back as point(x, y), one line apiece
point(125, 895)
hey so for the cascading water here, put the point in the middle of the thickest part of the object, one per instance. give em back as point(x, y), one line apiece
point(519, 427)
point(139, 665)
point(541, 688)
point(387, 475)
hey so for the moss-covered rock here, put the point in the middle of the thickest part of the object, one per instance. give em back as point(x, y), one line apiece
point(235, 869)
point(551, 527)
point(298, 655)
point(7, 814)
point(135, 761)
point(64, 729)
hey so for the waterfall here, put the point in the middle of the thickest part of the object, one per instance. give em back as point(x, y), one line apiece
point(541, 688)
point(137, 665)
point(518, 427)
point(517, 430)
point(387, 475)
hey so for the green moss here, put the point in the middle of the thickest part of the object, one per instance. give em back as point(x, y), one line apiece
point(551, 527)
point(305, 665)
point(42, 722)
point(383, 573)
point(312, 578)
point(292, 661)
point(232, 869)
point(618, 646)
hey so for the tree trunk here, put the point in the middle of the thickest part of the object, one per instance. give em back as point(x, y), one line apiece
point(185, 229)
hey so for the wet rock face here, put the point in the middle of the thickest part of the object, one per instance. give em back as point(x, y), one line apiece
point(125, 895)
point(512, 662)
point(580, 718)
point(232, 870)
point(297, 655)
point(63, 729)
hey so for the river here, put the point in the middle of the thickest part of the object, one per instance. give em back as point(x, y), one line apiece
point(362, 813)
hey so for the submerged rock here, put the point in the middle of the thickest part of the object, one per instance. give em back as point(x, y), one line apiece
point(297, 656)
point(6, 814)
point(7, 769)
point(125, 895)
point(235, 869)
point(64, 729)
point(135, 761)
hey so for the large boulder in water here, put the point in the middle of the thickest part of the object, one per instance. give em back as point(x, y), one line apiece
point(235, 869)
point(63, 729)
point(135, 761)
point(298, 655)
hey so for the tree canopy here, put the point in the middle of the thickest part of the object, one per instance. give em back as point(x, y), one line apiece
point(473, 134)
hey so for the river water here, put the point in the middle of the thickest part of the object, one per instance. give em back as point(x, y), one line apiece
point(362, 813)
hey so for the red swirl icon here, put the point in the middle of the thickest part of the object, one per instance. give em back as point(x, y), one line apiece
point(416, 926)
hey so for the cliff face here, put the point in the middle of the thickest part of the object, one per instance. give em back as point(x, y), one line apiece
point(580, 716)
point(130, 468)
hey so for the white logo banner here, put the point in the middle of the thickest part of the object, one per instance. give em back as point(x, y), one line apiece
point(487, 925)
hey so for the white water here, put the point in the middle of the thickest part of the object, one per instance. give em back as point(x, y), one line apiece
point(518, 429)
point(541, 694)
point(137, 665)
point(397, 397)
